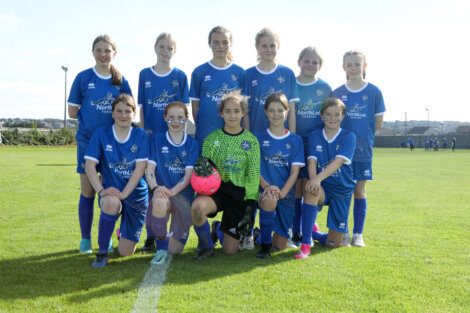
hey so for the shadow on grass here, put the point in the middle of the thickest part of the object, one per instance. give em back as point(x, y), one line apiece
point(222, 265)
point(68, 272)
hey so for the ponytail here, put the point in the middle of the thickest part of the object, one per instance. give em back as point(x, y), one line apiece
point(116, 76)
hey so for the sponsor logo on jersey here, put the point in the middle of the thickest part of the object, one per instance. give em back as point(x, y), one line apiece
point(165, 149)
point(176, 166)
point(277, 159)
point(231, 165)
point(161, 101)
point(105, 104)
point(134, 148)
point(207, 78)
point(309, 109)
point(123, 168)
point(357, 111)
point(262, 100)
point(91, 86)
point(217, 95)
point(148, 84)
point(109, 148)
point(266, 143)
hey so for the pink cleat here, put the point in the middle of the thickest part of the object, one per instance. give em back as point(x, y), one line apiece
point(315, 228)
point(304, 252)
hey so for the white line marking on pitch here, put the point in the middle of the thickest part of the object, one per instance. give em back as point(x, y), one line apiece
point(149, 290)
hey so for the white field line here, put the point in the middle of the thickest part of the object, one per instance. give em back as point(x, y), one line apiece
point(149, 290)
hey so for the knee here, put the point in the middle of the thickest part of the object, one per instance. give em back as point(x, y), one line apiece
point(111, 205)
point(311, 198)
point(159, 207)
point(359, 193)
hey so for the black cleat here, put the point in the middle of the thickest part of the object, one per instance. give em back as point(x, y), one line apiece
point(149, 246)
point(203, 254)
point(214, 236)
point(265, 251)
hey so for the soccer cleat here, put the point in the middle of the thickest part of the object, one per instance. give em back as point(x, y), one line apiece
point(85, 246)
point(358, 241)
point(346, 240)
point(214, 236)
point(203, 254)
point(118, 233)
point(110, 246)
point(315, 228)
point(247, 243)
point(100, 261)
point(304, 252)
point(257, 236)
point(160, 257)
point(264, 251)
point(149, 245)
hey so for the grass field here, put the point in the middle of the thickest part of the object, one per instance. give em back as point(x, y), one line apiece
point(417, 257)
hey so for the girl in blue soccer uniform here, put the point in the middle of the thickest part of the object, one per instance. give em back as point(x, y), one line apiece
point(364, 116)
point(331, 181)
point(211, 81)
point(121, 150)
point(282, 156)
point(160, 85)
point(169, 169)
point(266, 78)
point(92, 93)
point(312, 91)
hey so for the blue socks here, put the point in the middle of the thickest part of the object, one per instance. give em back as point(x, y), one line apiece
point(297, 217)
point(220, 234)
point(309, 215)
point(204, 235)
point(320, 237)
point(162, 244)
point(266, 224)
point(359, 214)
point(85, 215)
point(105, 230)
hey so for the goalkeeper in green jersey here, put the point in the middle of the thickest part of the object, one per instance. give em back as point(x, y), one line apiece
point(236, 154)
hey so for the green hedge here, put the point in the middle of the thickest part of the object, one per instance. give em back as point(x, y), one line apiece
point(34, 137)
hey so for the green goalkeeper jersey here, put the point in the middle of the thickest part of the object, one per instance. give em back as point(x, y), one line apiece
point(237, 158)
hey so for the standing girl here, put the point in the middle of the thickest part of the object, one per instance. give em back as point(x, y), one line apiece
point(160, 85)
point(169, 169)
point(235, 152)
point(282, 156)
point(92, 93)
point(331, 180)
point(266, 78)
point(312, 91)
point(364, 116)
point(122, 152)
point(213, 80)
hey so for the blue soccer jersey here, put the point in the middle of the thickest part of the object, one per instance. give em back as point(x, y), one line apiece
point(93, 94)
point(341, 183)
point(118, 159)
point(172, 160)
point(156, 92)
point(278, 155)
point(260, 85)
point(362, 106)
point(208, 85)
point(309, 106)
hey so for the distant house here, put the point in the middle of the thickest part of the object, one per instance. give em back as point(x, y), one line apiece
point(419, 130)
point(462, 130)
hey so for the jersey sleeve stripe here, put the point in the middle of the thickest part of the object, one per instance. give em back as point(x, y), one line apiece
point(87, 157)
point(348, 161)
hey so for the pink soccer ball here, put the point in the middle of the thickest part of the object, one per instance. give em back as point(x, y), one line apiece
point(206, 186)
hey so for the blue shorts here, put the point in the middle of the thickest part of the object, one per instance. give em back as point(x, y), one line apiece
point(362, 170)
point(181, 215)
point(81, 150)
point(132, 219)
point(284, 218)
point(338, 212)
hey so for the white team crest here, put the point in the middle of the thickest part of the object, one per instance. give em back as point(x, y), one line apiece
point(365, 98)
point(319, 148)
point(148, 84)
point(134, 148)
point(337, 147)
point(91, 86)
point(288, 146)
point(234, 77)
point(175, 83)
point(165, 149)
point(184, 154)
point(266, 143)
point(319, 92)
point(207, 78)
point(281, 79)
point(109, 148)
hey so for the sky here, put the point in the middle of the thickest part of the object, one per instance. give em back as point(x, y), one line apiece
point(417, 51)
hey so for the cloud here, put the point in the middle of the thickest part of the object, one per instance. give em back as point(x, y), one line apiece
point(9, 19)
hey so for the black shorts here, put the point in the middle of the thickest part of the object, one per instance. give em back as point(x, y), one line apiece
point(230, 200)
